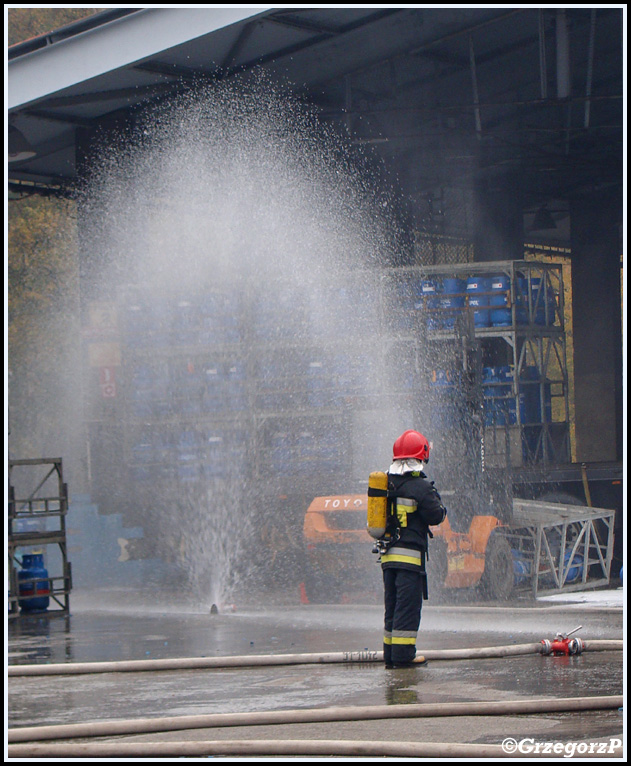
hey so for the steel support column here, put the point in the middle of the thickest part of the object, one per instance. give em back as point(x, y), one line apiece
point(596, 303)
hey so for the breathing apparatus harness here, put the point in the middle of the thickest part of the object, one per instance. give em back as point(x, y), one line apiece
point(393, 521)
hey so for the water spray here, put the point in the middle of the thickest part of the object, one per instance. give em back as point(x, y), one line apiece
point(238, 240)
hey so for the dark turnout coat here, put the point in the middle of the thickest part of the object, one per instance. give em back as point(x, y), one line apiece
point(415, 505)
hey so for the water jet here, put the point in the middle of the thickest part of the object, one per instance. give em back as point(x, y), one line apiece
point(236, 242)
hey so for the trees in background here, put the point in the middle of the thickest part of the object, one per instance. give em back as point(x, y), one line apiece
point(43, 329)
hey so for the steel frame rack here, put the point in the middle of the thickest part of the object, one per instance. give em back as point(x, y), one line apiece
point(36, 507)
point(542, 346)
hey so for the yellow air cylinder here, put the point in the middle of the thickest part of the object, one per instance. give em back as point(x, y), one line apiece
point(377, 504)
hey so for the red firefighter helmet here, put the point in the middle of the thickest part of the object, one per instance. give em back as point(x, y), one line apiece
point(411, 444)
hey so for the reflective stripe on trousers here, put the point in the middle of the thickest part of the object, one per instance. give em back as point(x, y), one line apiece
point(403, 599)
point(400, 637)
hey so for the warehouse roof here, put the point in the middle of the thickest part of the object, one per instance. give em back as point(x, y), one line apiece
point(120, 59)
point(453, 89)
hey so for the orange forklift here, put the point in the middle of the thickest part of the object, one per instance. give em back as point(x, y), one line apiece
point(548, 547)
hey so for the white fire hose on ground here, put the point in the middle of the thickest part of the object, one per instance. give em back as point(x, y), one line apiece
point(293, 747)
point(314, 715)
point(30, 735)
point(261, 660)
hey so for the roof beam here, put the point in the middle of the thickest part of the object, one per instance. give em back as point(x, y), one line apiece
point(238, 45)
point(291, 50)
point(133, 94)
point(169, 70)
point(304, 25)
point(66, 119)
point(124, 42)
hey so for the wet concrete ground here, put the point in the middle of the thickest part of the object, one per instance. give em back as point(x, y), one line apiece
point(111, 628)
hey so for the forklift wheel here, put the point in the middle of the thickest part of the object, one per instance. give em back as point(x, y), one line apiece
point(499, 577)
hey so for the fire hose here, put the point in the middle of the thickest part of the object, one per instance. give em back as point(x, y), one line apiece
point(259, 660)
point(563, 644)
point(314, 715)
point(289, 747)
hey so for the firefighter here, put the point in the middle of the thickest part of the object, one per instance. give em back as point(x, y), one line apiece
point(413, 506)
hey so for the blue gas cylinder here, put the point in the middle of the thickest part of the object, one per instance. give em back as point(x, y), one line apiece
point(330, 450)
point(499, 300)
point(142, 459)
point(188, 455)
point(452, 300)
point(522, 569)
point(212, 392)
point(532, 415)
point(142, 391)
point(478, 289)
point(406, 303)
point(445, 399)
point(521, 301)
point(317, 388)
point(507, 404)
point(235, 385)
point(306, 453)
point(489, 392)
point(499, 402)
point(214, 461)
point(210, 307)
point(430, 303)
point(576, 568)
point(532, 386)
point(529, 386)
point(280, 451)
point(538, 301)
point(185, 320)
point(136, 322)
point(33, 596)
point(543, 302)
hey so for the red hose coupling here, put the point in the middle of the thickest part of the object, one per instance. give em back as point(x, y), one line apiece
point(562, 647)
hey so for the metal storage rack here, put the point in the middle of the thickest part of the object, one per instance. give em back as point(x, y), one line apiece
point(253, 339)
point(276, 383)
point(219, 375)
point(534, 342)
point(47, 501)
point(561, 547)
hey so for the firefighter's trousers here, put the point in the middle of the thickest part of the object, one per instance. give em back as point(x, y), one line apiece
point(403, 598)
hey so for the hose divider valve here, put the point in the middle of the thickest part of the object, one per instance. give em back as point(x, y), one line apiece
point(563, 645)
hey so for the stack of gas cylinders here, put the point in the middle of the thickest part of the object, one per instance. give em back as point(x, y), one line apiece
point(444, 298)
point(500, 400)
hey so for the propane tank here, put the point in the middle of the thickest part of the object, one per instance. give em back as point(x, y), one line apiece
point(377, 504)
